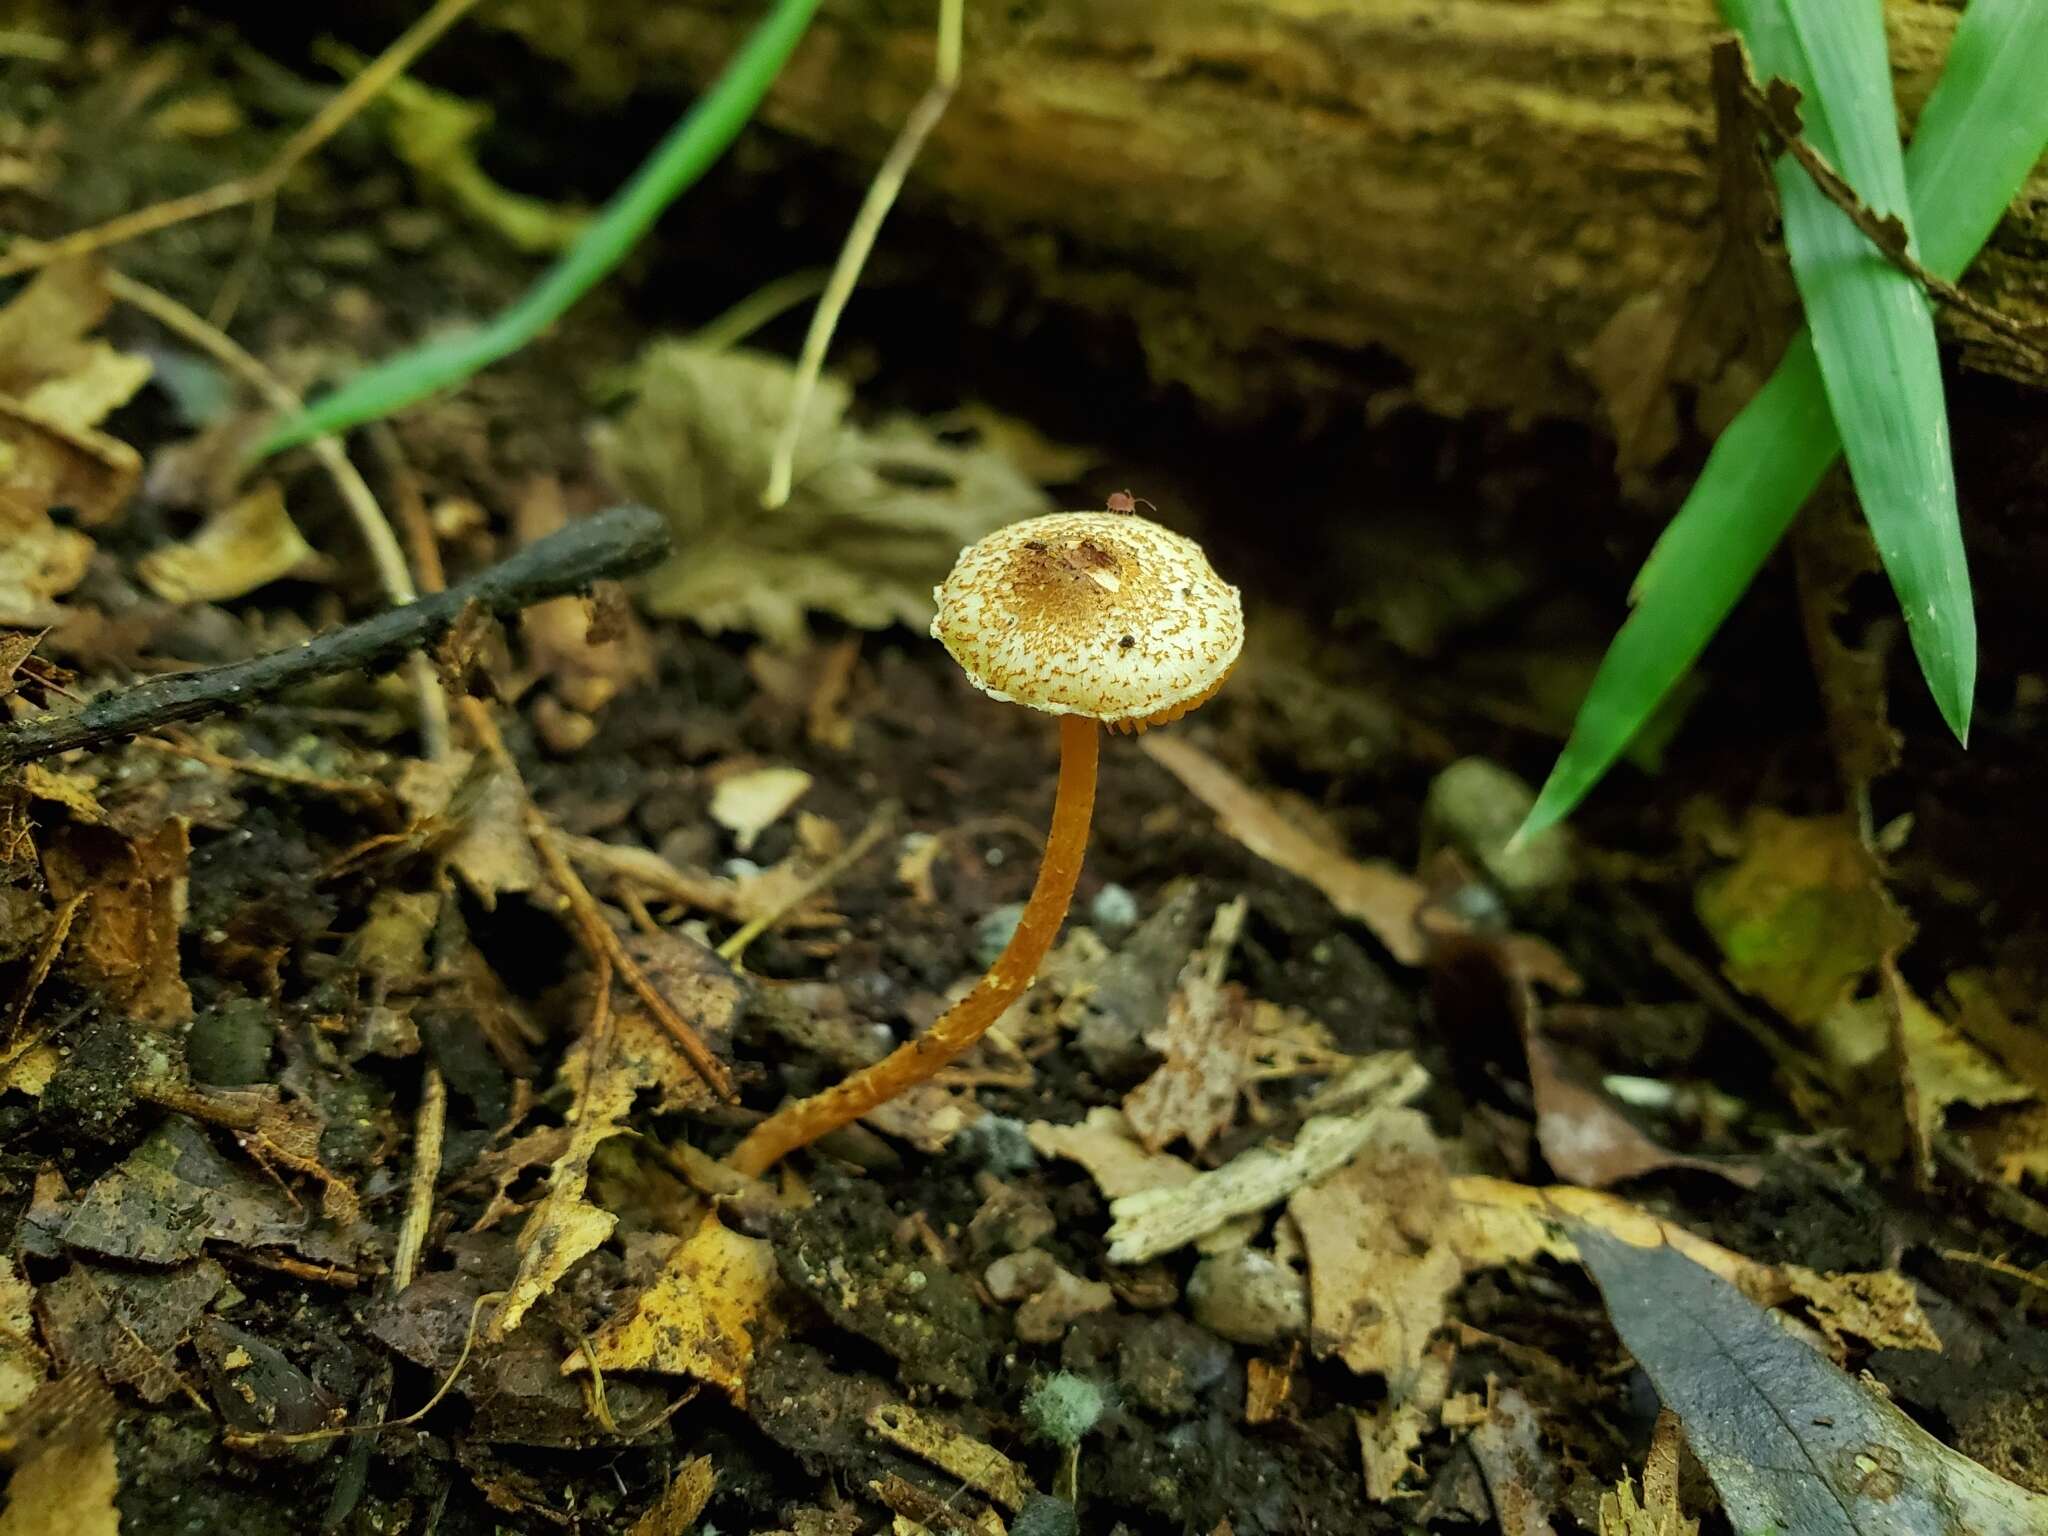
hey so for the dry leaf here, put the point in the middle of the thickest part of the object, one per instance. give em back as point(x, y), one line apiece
point(746, 804)
point(128, 1324)
point(247, 544)
point(39, 561)
point(23, 1366)
point(1375, 894)
point(565, 1226)
point(974, 1462)
point(702, 1316)
point(1109, 1149)
point(125, 941)
point(1389, 1436)
point(874, 519)
point(482, 806)
point(1521, 1481)
point(1802, 916)
point(65, 1472)
point(1495, 1222)
point(1658, 1513)
point(590, 649)
point(1629, 362)
point(681, 1503)
point(1155, 1221)
point(1380, 1271)
point(1207, 1042)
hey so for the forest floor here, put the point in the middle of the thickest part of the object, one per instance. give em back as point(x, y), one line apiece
point(348, 1175)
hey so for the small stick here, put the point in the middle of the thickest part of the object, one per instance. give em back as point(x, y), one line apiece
point(26, 256)
point(877, 828)
point(1777, 107)
point(613, 543)
point(389, 560)
point(428, 1129)
point(860, 240)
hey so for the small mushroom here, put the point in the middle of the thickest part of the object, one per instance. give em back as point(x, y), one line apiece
point(1097, 617)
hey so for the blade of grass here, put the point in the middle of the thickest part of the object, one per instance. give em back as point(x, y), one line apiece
point(684, 154)
point(1872, 326)
point(1978, 137)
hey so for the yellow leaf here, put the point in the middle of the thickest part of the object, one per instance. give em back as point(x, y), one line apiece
point(245, 545)
point(701, 1315)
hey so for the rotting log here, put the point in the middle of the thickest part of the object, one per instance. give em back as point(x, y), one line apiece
point(1480, 188)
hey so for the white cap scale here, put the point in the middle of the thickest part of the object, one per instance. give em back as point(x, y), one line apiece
point(1102, 614)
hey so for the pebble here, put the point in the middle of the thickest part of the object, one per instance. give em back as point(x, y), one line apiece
point(994, 931)
point(1168, 1363)
point(1477, 806)
point(1114, 909)
point(1248, 1297)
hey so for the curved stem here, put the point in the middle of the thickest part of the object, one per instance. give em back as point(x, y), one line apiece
point(800, 1124)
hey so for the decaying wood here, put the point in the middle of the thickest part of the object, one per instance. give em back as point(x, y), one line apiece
point(1280, 191)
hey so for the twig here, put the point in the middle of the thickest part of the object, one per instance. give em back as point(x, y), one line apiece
point(375, 529)
point(175, 745)
point(604, 947)
point(249, 1437)
point(1997, 1266)
point(429, 1127)
point(601, 940)
point(876, 829)
point(860, 240)
point(613, 543)
point(1777, 108)
point(46, 956)
point(241, 190)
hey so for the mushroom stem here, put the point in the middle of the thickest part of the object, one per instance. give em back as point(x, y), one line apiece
point(915, 1061)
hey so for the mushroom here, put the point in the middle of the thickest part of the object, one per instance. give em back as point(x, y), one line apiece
point(1097, 617)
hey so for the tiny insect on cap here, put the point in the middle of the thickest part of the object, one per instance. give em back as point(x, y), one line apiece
point(1104, 614)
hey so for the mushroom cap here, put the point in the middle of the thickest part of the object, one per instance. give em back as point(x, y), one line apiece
point(1104, 614)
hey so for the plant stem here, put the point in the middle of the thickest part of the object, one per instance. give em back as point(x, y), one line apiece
point(915, 1061)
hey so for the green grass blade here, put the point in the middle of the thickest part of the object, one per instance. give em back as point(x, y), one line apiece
point(1979, 135)
point(684, 154)
point(1872, 326)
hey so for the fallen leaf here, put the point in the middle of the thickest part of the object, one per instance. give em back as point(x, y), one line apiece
point(590, 649)
point(1792, 1443)
point(1832, 552)
point(875, 517)
point(1107, 1146)
point(478, 808)
point(247, 544)
point(702, 1316)
point(125, 941)
point(566, 1226)
point(681, 1502)
point(1390, 1434)
point(1495, 1222)
point(174, 1194)
point(1380, 1273)
point(127, 1324)
point(1802, 916)
point(66, 1475)
point(1521, 1480)
point(23, 1366)
point(746, 804)
point(1376, 894)
point(39, 561)
point(1155, 1221)
point(974, 1462)
point(1207, 1042)
point(1629, 362)
point(49, 360)
point(1658, 1513)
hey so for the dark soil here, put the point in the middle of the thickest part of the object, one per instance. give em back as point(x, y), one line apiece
point(884, 1272)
